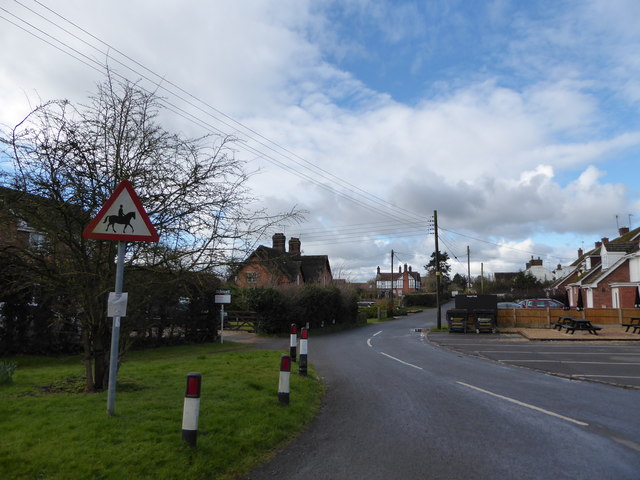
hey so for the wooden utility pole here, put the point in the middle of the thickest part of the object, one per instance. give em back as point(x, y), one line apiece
point(391, 281)
point(468, 269)
point(435, 230)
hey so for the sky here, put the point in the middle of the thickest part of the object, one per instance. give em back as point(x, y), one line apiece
point(517, 122)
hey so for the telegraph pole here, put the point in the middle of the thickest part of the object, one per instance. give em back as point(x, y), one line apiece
point(468, 270)
point(435, 230)
point(392, 282)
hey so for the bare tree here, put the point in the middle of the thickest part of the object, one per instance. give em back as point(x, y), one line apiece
point(194, 190)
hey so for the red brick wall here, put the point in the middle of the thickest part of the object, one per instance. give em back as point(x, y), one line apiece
point(266, 277)
point(602, 294)
point(9, 234)
point(627, 296)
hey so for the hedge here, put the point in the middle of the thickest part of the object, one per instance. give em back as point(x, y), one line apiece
point(313, 305)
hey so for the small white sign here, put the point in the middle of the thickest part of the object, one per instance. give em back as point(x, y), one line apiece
point(117, 306)
point(223, 298)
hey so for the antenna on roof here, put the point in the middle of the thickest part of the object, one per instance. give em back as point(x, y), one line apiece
point(617, 224)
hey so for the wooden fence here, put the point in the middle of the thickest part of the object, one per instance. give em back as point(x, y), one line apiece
point(242, 320)
point(546, 317)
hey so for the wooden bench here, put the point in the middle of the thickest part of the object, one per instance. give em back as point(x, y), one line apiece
point(572, 324)
point(564, 321)
point(634, 322)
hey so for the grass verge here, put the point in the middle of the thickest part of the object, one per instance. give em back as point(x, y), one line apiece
point(49, 430)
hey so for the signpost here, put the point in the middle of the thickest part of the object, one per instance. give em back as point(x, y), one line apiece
point(122, 218)
point(222, 297)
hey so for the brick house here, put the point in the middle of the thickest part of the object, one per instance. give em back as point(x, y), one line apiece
point(275, 267)
point(607, 276)
point(16, 232)
point(402, 282)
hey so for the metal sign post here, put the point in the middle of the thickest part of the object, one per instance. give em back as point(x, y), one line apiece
point(222, 297)
point(115, 334)
point(125, 212)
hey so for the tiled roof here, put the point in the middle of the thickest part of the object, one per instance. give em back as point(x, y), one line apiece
point(311, 266)
point(626, 247)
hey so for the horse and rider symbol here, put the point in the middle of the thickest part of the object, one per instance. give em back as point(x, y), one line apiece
point(121, 219)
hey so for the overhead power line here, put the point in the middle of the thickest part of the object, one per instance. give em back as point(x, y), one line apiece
point(355, 195)
point(406, 223)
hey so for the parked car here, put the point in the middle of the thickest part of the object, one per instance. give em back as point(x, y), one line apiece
point(366, 304)
point(509, 305)
point(541, 303)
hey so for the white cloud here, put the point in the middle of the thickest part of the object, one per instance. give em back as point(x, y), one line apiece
point(505, 152)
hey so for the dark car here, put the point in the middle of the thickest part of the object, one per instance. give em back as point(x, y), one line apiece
point(541, 303)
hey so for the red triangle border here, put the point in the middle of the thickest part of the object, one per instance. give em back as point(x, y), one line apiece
point(124, 184)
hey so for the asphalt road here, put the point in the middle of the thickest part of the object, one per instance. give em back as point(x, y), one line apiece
point(612, 362)
point(398, 407)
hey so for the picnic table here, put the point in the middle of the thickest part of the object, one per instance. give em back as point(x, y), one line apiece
point(571, 324)
point(634, 322)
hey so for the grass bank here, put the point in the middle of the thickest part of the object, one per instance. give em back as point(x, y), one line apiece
point(49, 430)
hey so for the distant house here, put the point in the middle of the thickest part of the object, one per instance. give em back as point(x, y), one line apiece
point(402, 282)
point(275, 267)
point(534, 268)
point(539, 272)
point(607, 276)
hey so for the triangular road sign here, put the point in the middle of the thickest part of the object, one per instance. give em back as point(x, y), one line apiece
point(122, 218)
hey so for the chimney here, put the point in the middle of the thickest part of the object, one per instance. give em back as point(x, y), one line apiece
point(598, 244)
point(580, 253)
point(399, 269)
point(605, 239)
point(405, 267)
point(378, 270)
point(294, 246)
point(409, 267)
point(279, 241)
point(623, 231)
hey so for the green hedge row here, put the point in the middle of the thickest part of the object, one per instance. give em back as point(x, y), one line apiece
point(419, 300)
point(313, 305)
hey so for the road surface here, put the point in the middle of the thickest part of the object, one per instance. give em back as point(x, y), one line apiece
point(398, 407)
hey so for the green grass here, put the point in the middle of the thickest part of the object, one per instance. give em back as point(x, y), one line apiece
point(48, 431)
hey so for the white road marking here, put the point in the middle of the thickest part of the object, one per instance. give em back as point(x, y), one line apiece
point(401, 361)
point(369, 339)
point(527, 405)
point(558, 353)
point(564, 361)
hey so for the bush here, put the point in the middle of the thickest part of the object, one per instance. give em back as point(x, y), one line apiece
point(6, 372)
point(420, 299)
point(315, 305)
point(272, 306)
point(370, 312)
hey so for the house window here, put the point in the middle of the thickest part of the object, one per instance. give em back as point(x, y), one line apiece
point(252, 277)
point(37, 240)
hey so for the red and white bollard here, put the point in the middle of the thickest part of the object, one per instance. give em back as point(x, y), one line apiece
point(283, 384)
point(302, 366)
point(293, 340)
point(191, 410)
